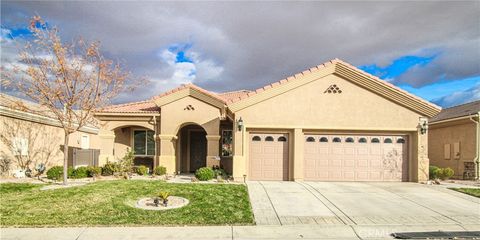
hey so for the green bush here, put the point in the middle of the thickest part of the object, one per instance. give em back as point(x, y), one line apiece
point(142, 170)
point(432, 172)
point(160, 170)
point(94, 171)
point(444, 173)
point(80, 172)
point(204, 174)
point(70, 171)
point(110, 168)
point(126, 163)
point(55, 173)
point(220, 172)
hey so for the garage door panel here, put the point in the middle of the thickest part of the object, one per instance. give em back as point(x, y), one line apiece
point(355, 158)
point(268, 156)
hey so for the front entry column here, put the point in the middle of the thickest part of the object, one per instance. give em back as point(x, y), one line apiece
point(106, 145)
point(213, 149)
point(420, 168)
point(167, 153)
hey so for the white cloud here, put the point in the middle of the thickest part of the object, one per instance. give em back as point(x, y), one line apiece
point(459, 97)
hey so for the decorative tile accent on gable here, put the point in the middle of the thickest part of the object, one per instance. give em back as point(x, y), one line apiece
point(333, 89)
point(189, 107)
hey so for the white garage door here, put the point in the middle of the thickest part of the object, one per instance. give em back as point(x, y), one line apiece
point(355, 158)
point(268, 158)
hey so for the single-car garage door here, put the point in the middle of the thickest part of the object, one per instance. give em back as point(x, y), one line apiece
point(268, 158)
point(355, 158)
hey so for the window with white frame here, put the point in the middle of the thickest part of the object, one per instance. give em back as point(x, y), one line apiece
point(20, 146)
point(144, 142)
point(85, 142)
point(227, 147)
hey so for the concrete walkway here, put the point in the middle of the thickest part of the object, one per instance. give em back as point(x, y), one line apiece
point(357, 204)
point(223, 232)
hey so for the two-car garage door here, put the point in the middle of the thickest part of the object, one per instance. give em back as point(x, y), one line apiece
point(355, 158)
point(329, 157)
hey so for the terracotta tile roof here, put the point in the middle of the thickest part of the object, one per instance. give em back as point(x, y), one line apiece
point(134, 107)
point(23, 105)
point(189, 85)
point(377, 79)
point(319, 67)
point(227, 96)
point(463, 110)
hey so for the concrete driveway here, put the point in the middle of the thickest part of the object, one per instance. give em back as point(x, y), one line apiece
point(359, 203)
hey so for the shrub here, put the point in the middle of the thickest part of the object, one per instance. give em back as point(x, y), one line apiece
point(93, 171)
point(432, 172)
point(110, 168)
point(70, 171)
point(160, 170)
point(219, 172)
point(126, 163)
point(80, 172)
point(444, 173)
point(204, 174)
point(142, 170)
point(55, 173)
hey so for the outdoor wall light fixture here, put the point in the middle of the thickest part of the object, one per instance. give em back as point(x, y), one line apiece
point(423, 126)
point(240, 124)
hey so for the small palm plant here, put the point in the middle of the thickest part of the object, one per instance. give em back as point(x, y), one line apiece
point(162, 196)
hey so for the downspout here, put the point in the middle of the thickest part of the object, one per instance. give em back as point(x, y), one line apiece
point(476, 160)
point(155, 140)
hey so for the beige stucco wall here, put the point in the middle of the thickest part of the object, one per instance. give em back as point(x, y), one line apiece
point(461, 131)
point(41, 137)
point(309, 108)
point(175, 115)
point(113, 142)
point(123, 141)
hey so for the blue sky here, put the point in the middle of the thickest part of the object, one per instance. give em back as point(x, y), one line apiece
point(435, 92)
point(431, 49)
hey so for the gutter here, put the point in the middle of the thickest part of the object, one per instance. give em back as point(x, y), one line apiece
point(453, 119)
point(476, 160)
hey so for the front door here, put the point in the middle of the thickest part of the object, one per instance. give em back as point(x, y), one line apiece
point(198, 150)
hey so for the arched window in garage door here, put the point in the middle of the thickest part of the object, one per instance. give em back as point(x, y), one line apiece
point(269, 139)
point(349, 140)
point(282, 139)
point(337, 140)
point(362, 140)
point(310, 139)
point(323, 139)
point(401, 140)
point(256, 139)
point(387, 140)
point(375, 140)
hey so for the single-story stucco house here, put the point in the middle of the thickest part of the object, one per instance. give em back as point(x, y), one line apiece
point(29, 132)
point(332, 122)
point(454, 140)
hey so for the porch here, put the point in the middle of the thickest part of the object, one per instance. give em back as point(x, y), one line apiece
point(193, 147)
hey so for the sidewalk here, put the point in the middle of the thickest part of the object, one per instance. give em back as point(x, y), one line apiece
point(224, 232)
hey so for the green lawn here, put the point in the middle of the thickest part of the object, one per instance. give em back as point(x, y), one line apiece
point(470, 191)
point(109, 203)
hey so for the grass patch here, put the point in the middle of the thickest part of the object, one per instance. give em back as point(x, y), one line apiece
point(109, 203)
point(470, 191)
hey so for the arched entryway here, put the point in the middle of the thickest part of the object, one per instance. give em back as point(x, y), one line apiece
point(191, 148)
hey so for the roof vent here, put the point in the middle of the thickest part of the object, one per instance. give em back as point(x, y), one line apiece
point(333, 89)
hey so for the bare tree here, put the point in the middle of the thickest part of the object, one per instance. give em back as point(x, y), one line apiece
point(29, 143)
point(70, 79)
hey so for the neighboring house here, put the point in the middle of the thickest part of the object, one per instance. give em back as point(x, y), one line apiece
point(454, 140)
point(332, 122)
point(29, 133)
